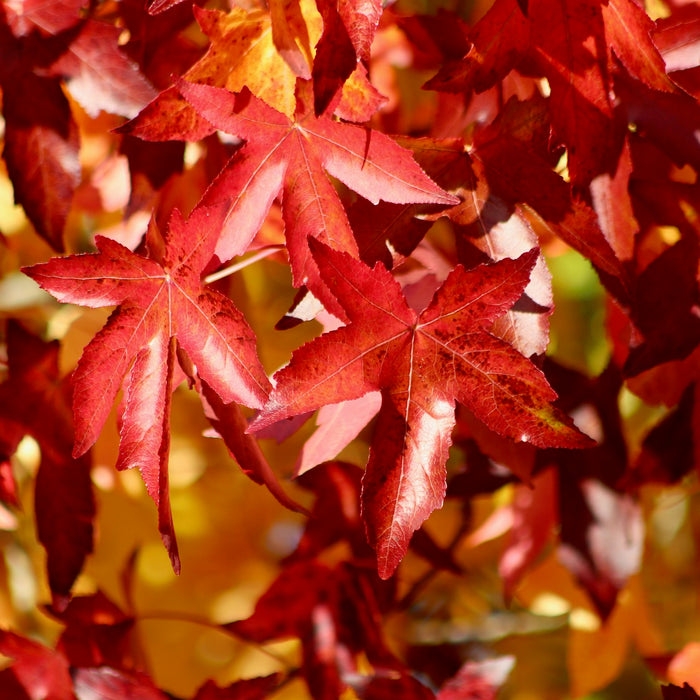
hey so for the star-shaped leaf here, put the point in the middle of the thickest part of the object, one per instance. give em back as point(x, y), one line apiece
point(421, 362)
point(163, 306)
point(290, 156)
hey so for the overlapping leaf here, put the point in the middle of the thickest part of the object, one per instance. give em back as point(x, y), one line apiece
point(281, 155)
point(422, 363)
point(35, 401)
point(163, 306)
point(575, 45)
point(243, 52)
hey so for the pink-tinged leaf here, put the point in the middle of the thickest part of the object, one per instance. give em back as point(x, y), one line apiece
point(144, 424)
point(422, 363)
point(338, 425)
point(535, 512)
point(478, 680)
point(42, 672)
point(162, 302)
point(602, 535)
point(406, 478)
point(50, 18)
point(613, 206)
point(289, 35)
point(292, 156)
point(99, 75)
point(390, 683)
point(678, 38)
point(41, 152)
point(111, 684)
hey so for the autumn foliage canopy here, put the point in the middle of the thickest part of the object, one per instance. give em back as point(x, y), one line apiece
point(382, 317)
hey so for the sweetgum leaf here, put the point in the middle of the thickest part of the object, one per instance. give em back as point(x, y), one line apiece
point(421, 363)
point(162, 305)
point(281, 155)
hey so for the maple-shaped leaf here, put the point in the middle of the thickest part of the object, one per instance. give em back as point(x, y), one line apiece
point(575, 45)
point(422, 363)
point(291, 156)
point(163, 306)
point(35, 400)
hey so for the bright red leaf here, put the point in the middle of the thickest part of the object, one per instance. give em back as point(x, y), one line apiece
point(163, 306)
point(291, 156)
point(421, 363)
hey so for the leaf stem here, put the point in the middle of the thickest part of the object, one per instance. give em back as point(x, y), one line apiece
point(231, 269)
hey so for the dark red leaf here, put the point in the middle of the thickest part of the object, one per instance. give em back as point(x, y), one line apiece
point(37, 402)
point(163, 304)
point(421, 363)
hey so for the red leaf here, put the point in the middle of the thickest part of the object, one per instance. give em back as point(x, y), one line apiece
point(42, 672)
point(228, 421)
point(249, 689)
point(291, 156)
point(39, 130)
point(37, 402)
point(110, 684)
point(421, 363)
point(163, 305)
point(574, 44)
point(99, 75)
point(348, 30)
point(338, 425)
point(477, 680)
point(674, 692)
